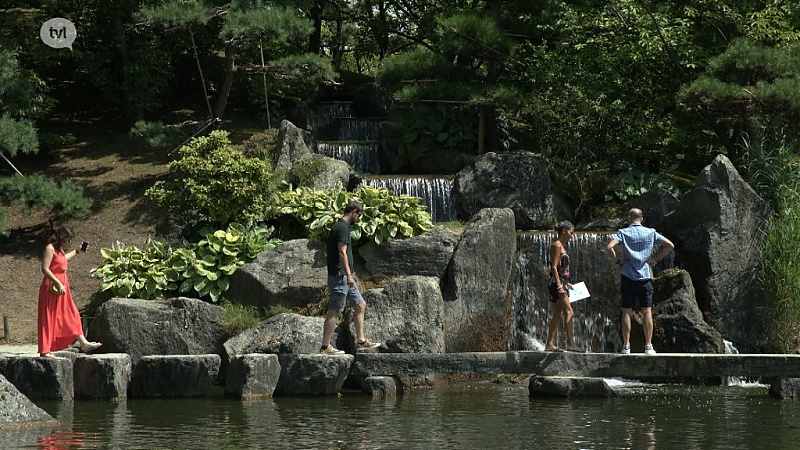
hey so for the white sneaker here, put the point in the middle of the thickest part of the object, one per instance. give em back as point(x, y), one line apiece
point(330, 350)
point(649, 350)
point(626, 350)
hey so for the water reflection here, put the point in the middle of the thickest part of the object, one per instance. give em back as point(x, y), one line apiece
point(475, 415)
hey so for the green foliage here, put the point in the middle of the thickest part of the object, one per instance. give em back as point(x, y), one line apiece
point(426, 128)
point(239, 318)
point(632, 183)
point(174, 13)
point(66, 199)
point(385, 215)
point(262, 145)
point(22, 97)
point(201, 268)
point(156, 134)
point(212, 181)
point(305, 171)
point(775, 173)
point(17, 136)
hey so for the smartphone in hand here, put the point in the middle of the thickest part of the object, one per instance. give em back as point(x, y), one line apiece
point(84, 246)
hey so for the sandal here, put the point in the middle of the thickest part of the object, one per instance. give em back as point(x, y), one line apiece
point(554, 349)
point(575, 349)
point(90, 346)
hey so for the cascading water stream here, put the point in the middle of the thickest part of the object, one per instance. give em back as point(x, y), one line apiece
point(596, 320)
point(363, 156)
point(436, 192)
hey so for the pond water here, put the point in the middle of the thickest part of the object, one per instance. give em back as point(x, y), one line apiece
point(469, 415)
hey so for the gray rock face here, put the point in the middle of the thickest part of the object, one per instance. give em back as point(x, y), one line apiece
point(655, 205)
point(718, 231)
point(427, 254)
point(335, 173)
point(480, 279)
point(380, 386)
point(678, 323)
point(292, 274)
point(102, 376)
point(313, 374)
point(252, 376)
point(515, 180)
point(293, 144)
point(40, 378)
point(569, 387)
point(282, 333)
point(784, 388)
point(406, 316)
point(174, 376)
point(16, 411)
point(180, 326)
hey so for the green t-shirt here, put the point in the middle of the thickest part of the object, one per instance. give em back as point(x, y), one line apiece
point(339, 233)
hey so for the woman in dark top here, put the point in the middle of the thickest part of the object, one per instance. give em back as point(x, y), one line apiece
point(558, 287)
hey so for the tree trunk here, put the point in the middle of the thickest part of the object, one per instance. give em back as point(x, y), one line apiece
point(315, 40)
point(227, 81)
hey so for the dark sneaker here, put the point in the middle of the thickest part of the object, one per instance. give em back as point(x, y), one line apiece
point(331, 350)
point(363, 345)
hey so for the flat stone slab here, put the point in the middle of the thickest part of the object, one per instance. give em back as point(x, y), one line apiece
point(102, 376)
point(39, 378)
point(411, 366)
point(174, 375)
point(252, 376)
point(313, 374)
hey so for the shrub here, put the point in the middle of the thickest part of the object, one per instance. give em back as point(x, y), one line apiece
point(66, 200)
point(211, 181)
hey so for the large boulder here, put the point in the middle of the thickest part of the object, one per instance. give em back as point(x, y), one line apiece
point(678, 325)
point(718, 231)
point(478, 293)
point(179, 326)
point(331, 174)
point(655, 204)
point(293, 145)
point(515, 180)
point(282, 333)
point(294, 273)
point(406, 316)
point(427, 254)
point(16, 411)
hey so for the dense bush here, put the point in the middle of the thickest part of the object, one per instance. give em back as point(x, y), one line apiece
point(212, 181)
point(66, 199)
point(385, 216)
point(201, 268)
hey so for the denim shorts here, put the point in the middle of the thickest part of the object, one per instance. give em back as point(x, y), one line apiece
point(340, 290)
point(633, 290)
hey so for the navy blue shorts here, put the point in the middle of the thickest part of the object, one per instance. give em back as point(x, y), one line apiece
point(633, 290)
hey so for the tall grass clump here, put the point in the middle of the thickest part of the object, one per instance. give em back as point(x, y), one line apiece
point(774, 172)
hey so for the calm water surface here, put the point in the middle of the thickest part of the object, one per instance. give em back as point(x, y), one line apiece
point(477, 415)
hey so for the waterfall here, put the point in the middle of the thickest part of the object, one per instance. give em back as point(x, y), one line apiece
point(362, 156)
point(338, 109)
point(356, 129)
point(436, 192)
point(596, 319)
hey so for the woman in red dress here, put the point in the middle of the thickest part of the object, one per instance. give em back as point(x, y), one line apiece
point(59, 321)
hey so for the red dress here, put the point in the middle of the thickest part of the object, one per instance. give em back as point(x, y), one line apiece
point(59, 320)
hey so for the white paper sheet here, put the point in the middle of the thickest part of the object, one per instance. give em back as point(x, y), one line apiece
point(578, 291)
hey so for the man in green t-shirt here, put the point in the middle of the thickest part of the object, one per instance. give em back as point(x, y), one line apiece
point(342, 282)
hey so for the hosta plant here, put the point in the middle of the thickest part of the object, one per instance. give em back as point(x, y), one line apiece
point(385, 216)
point(199, 268)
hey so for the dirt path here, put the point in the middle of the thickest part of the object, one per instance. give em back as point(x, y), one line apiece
point(114, 173)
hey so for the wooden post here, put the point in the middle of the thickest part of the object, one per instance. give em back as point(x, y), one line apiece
point(481, 132)
point(6, 329)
